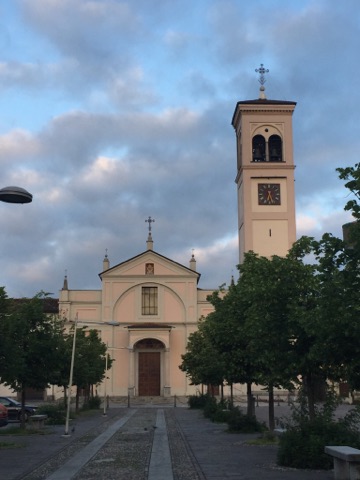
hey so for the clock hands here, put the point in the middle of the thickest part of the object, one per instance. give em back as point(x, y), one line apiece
point(269, 197)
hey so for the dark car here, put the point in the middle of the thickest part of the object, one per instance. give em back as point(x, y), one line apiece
point(14, 408)
point(3, 416)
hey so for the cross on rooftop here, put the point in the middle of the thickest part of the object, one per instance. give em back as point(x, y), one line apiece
point(149, 221)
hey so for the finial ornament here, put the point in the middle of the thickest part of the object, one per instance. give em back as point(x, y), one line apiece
point(262, 79)
point(262, 72)
point(149, 221)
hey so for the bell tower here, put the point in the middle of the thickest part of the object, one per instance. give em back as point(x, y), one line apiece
point(265, 174)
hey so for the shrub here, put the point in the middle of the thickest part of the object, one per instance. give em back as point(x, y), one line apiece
point(302, 444)
point(56, 413)
point(238, 422)
point(93, 403)
point(221, 415)
point(210, 407)
point(197, 401)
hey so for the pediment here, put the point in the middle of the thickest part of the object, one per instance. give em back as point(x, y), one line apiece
point(142, 265)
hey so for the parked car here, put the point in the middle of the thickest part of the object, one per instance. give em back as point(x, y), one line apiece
point(14, 408)
point(3, 415)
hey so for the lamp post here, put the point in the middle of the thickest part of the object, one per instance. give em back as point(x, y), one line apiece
point(15, 195)
point(113, 324)
point(66, 432)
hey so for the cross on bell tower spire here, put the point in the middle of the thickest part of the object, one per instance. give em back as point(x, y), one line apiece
point(262, 79)
point(149, 221)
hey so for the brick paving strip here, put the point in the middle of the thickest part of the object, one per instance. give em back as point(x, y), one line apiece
point(160, 461)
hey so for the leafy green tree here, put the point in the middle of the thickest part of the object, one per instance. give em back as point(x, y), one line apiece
point(352, 177)
point(228, 334)
point(277, 295)
point(201, 362)
point(288, 318)
point(30, 350)
point(89, 360)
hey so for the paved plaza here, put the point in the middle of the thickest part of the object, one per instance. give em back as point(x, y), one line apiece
point(145, 443)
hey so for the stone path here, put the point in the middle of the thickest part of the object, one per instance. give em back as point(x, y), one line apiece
point(148, 444)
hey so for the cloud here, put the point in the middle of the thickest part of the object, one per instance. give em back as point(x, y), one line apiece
point(84, 29)
point(114, 111)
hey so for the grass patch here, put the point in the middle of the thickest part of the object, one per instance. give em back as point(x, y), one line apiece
point(8, 445)
point(21, 431)
point(266, 439)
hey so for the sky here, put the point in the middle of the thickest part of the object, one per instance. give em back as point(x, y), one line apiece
point(113, 111)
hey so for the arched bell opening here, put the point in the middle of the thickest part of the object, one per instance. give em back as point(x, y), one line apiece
point(258, 149)
point(275, 148)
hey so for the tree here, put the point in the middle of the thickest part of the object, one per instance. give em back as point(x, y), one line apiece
point(352, 177)
point(275, 292)
point(29, 346)
point(288, 318)
point(228, 334)
point(201, 362)
point(89, 360)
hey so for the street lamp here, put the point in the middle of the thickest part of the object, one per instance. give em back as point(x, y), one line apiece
point(66, 432)
point(113, 324)
point(15, 195)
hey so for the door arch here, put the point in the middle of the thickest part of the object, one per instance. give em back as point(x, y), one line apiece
point(149, 359)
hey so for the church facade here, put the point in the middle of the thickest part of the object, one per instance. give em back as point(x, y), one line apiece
point(145, 311)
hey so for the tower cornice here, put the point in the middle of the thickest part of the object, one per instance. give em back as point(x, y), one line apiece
point(263, 107)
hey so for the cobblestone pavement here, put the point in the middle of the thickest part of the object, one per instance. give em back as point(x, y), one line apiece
point(199, 450)
point(127, 454)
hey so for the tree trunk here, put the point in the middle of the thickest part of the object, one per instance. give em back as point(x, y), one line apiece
point(77, 400)
point(86, 394)
point(22, 415)
point(310, 394)
point(250, 401)
point(271, 408)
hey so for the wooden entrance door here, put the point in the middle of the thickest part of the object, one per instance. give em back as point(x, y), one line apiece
point(149, 374)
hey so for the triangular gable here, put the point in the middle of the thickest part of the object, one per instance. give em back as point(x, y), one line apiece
point(135, 266)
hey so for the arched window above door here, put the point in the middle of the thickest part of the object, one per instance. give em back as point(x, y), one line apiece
point(149, 343)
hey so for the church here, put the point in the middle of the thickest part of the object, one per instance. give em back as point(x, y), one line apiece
point(145, 311)
point(148, 305)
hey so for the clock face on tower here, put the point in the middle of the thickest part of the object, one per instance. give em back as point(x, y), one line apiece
point(269, 194)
